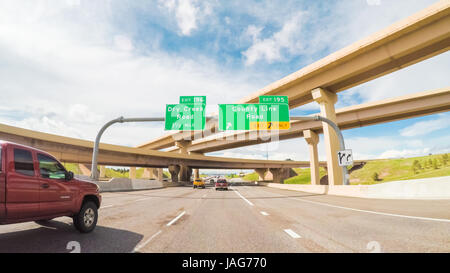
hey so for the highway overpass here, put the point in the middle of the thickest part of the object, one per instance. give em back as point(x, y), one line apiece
point(388, 110)
point(74, 150)
point(414, 39)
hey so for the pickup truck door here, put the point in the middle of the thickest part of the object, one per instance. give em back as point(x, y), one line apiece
point(22, 186)
point(55, 195)
point(2, 187)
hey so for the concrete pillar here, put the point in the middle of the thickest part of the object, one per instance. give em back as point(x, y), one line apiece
point(184, 170)
point(160, 174)
point(261, 173)
point(280, 174)
point(85, 170)
point(189, 174)
point(183, 145)
point(326, 101)
point(312, 139)
point(132, 173)
point(174, 171)
point(146, 174)
point(102, 171)
point(196, 173)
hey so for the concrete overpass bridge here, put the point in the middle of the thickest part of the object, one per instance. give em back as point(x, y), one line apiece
point(414, 39)
point(388, 110)
point(72, 150)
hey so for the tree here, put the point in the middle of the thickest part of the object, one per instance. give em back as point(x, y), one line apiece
point(375, 176)
point(430, 162)
point(415, 166)
point(444, 159)
point(435, 164)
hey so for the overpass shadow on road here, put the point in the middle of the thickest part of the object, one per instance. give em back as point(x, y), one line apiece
point(54, 236)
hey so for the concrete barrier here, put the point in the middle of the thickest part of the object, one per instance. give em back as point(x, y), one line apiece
point(126, 184)
point(428, 188)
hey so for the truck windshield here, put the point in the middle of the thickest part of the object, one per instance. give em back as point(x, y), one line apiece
point(50, 168)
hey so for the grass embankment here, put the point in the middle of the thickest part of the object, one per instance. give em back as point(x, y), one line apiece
point(112, 173)
point(386, 170)
point(400, 169)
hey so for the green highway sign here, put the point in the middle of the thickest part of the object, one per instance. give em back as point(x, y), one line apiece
point(273, 99)
point(192, 99)
point(254, 116)
point(185, 117)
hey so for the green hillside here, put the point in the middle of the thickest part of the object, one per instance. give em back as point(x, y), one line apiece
point(112, 173)
point(385, 169)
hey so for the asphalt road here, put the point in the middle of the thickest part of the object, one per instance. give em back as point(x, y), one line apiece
point(243, 219)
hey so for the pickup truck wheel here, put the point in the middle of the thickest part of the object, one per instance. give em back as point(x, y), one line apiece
point(86, 220)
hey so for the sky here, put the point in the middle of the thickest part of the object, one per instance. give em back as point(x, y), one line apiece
point(69, 66)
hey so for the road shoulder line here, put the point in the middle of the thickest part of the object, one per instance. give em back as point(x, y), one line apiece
point(375, 212)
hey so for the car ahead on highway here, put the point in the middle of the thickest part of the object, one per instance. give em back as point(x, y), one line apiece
point(34, 186)
point(221, 184)
point(199, 183)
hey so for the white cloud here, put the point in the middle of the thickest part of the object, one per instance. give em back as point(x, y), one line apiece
point(270, 49)
point(70, 76)
point(123, 43)
point(187, 13)
point(404, 153)
point(426, 127)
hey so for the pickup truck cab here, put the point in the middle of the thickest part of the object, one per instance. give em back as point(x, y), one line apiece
point(34, 186)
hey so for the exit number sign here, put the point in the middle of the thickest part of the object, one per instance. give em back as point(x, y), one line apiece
point(189, 115)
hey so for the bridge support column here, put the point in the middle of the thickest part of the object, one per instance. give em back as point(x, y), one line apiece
point(174, 171)
point(185, 173)
point(261, 173)
point(160, 174)
point(312, 139)
point(132, 173)
point(280, 174)
point(196, 171)
point(326, 101)
point(85, 170)
point(102, 171)
point(146, 173)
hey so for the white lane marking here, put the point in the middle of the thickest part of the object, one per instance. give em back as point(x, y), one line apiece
point(142, 199)
point(250, 203)
point(176, 218)
point(376, 212)
point(264, 213)
point(292, 233)
point(104, 207)
point(204, 195)
point(146, 242)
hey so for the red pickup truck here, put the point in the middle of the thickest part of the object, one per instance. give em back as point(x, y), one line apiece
point(34, 186)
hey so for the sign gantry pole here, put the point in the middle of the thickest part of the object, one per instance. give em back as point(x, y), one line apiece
point(341, 142)
point(94, 171)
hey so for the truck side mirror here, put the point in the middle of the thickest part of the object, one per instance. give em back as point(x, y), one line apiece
point(69, 176)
